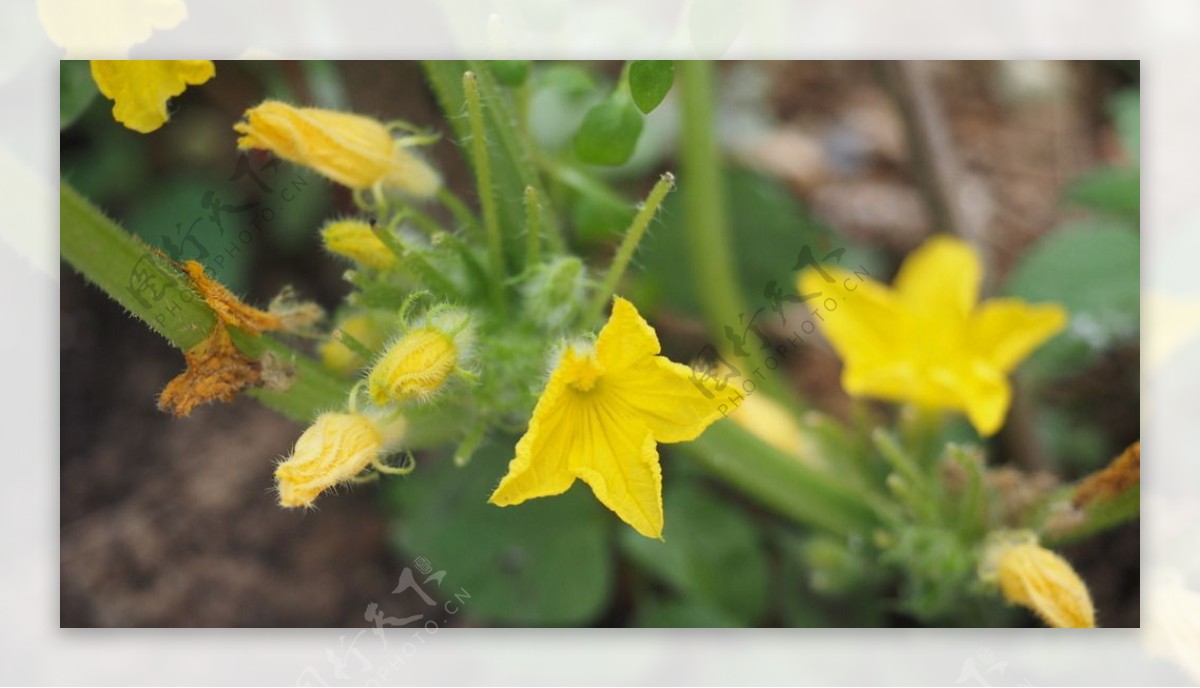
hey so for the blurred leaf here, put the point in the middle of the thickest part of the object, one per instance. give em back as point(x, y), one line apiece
point(660, 613)
point(561, 96)
point(1127, 117)
point(1093, 269)
point(609, 132)
point(303, 200)
point(711, 552)
point(510, 72)
point(597, 212)
point(542, 563)
point(173, 220)
point(650, 81)
point(1110, 190)
point(76, 90)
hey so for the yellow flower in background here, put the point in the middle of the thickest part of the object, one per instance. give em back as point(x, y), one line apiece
point(354, 239)
point(335, 449)
point(140, 89)
point(927, 340)
point(1034, 577)
point(352, 150)
point(599, 419)
point(771, 422)
point(340, 358)
point(420, 362)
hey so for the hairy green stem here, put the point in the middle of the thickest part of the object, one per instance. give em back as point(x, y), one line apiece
point(483, 180)
point(122, 266)
point(533, 228)
point(633, 236)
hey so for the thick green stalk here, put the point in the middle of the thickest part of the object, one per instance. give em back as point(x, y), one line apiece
point(781, 481)
point(702, 186)
point(116, 263)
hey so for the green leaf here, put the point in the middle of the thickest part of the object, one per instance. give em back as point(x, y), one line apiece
point(609, 132)
point(711, 553)
point(649, 82)
point(511, 73)
point(76, 90)
point(1112, 191)
point(1093, 269)
point(542, 563)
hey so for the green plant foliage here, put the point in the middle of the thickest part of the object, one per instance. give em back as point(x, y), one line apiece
point(609, 132)
point(1093, 269)
point(544, 563)
point(649, 82)
point(711, 554)
point(76, 90)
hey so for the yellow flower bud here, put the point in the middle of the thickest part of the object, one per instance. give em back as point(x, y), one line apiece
point(340, 358)
point(333, 450)
point(354, 239)
point(352, 150)
point(1034, 577)
point(416, 366)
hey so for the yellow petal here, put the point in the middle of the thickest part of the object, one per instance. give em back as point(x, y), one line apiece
point(663, 395)
point(140, 89)
point(1005, 331)
point(354, 239)
point(625, 339)
point(415, 366)
point(352, 150)
point(941, 279)
point(542, 466)
point(333, 450)
point(623, 471)
point(868, 327)
point(1034, 577)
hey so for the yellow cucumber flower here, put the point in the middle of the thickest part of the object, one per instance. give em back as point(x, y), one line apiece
point(420, 362)
point(354, 239)
point(599, 419)
point(140, 89)
point(1034, 577)
point(927, 340)
point(352, 150)
point(335, 449)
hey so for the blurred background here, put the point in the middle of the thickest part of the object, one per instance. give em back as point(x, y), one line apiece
point(172, 522)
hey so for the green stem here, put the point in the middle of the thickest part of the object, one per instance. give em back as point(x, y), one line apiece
point(513, 151)
point(458, 209)
point(116, 263)
point(707, 237)
point(633, 236)
point(533, 228)
point(483, 179)
point(781, 481)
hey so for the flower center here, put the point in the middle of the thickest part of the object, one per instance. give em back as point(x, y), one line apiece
point(582, 370)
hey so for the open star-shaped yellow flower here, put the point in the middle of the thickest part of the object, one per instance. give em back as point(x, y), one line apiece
point(600, 418)
point(927, 340)
point(140, 89)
